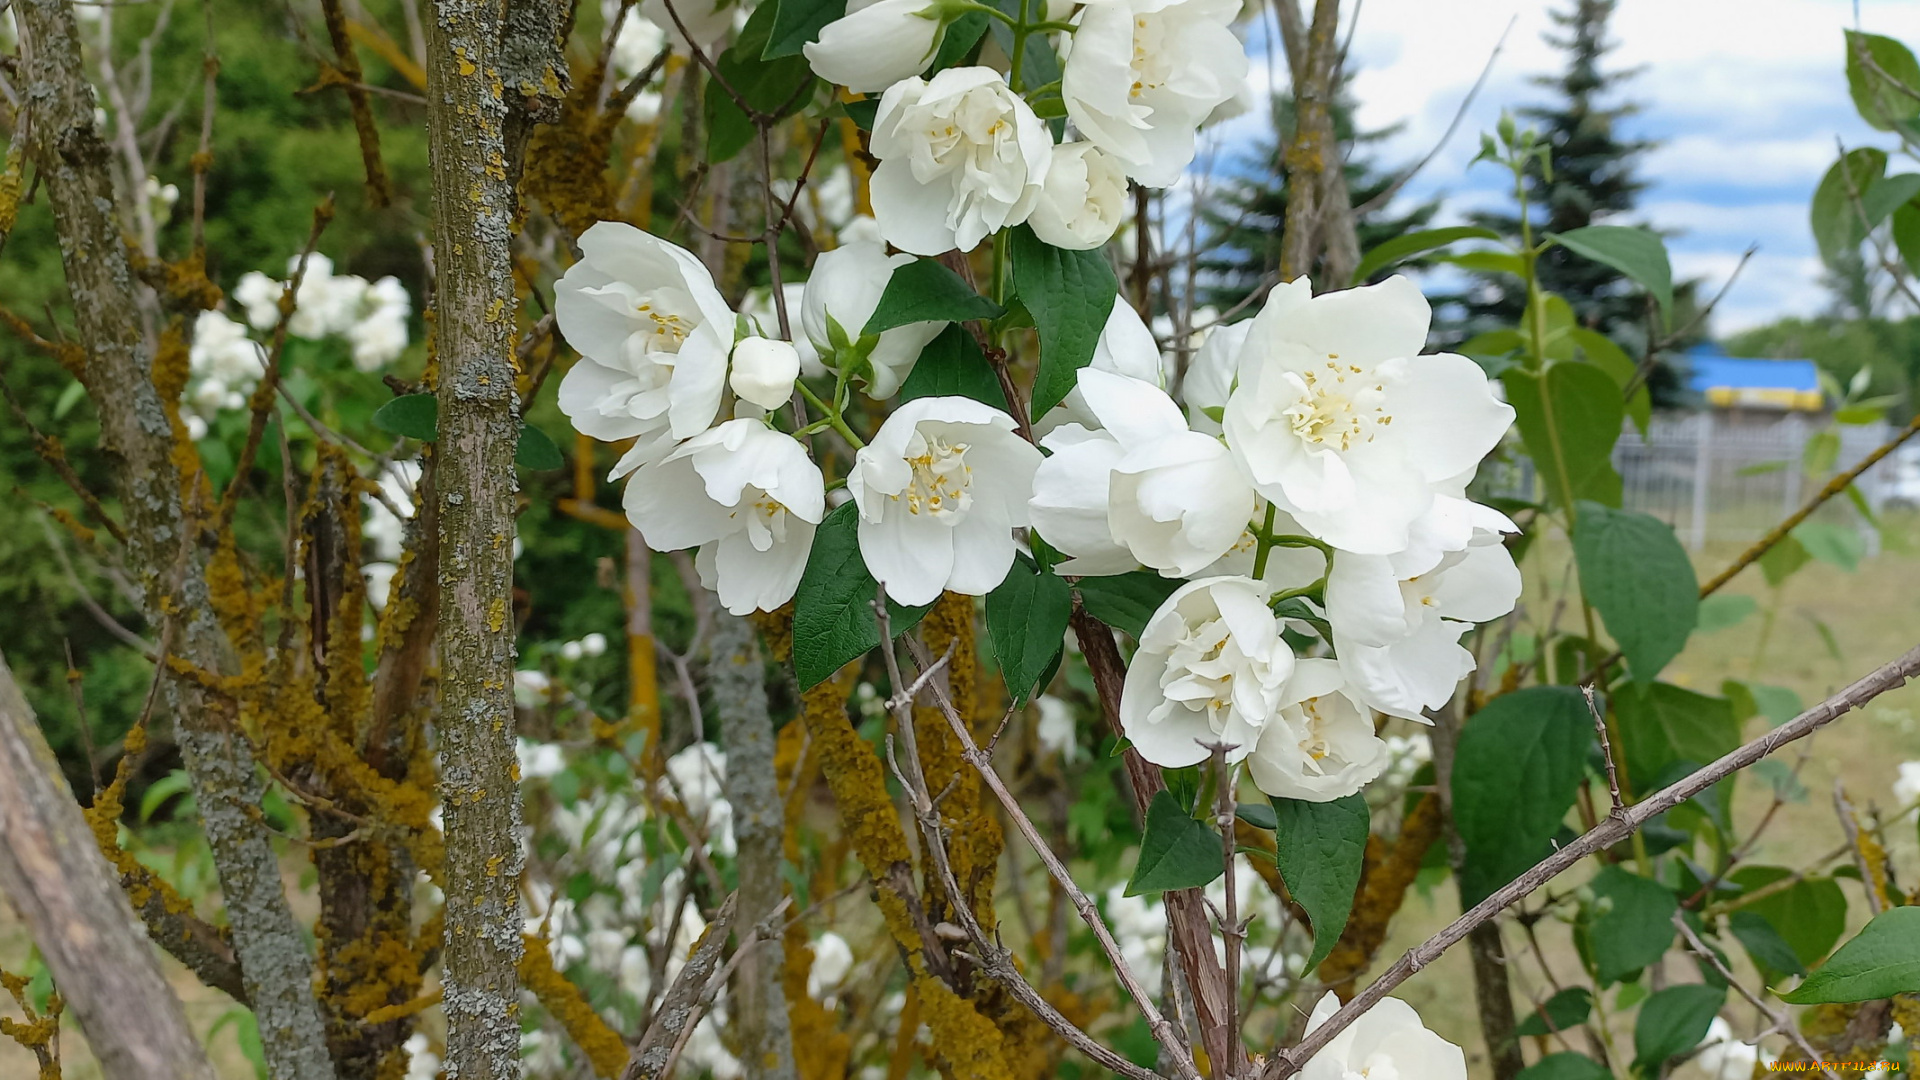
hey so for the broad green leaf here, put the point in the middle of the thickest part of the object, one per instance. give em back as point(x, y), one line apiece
point(1769, 950)
point(958, 41)
point(1569, 419)
point(1487, 262)
point(1723, 610)
point(862, 112)
point(1027, 621)
point(71, 396)
point(1883, 81)
point(1320, 848)
point(1632, 925)
point(1515, 775)
point(952, 366)
point(1906, 235)
point(927, 291)
point(1662, 723)
point(795, 23)
point(1176, 851)
point(1810, 914)
point(535, 450)
point(773, 86)
point(1881, 961)
point(1835, 216)
point(1888, 194)
point(1779, 562)
point(1835, 545)
point(415, 416)
point(1565, 1065)
point(1410, 244)
point(1638, 253)
point(833, 607)
point(1126, 601)
point(1673, 1021)
point(1564, 1011)
point(163, 789)
point(1612, 359)
point(1257, 814)
point(1070, 294)
point(1637, 575)
point(1493, 343)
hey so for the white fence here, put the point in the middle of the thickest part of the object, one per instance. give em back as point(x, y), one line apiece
point(1715, 480)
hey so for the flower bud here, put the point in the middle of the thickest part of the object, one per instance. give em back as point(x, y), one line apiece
point(873, 47)
point(764, 370)
point(1083, 199)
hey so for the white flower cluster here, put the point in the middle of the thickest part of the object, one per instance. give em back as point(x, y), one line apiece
point(371, 316)
point(963, 154)
point(224, 365)
point(1320, 457)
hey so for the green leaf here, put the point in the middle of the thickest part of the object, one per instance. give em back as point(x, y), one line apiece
point(1769, 950)
point(1565, 1065)
point(1882, 82)
point(163, 789)
point(772, 86)
point(1835, 545)
point(1569, 419)
point(1638, 253)
point(958, 42)
point(862, 113)
point(1126, 601)
point(833, 608)
point(1515, 773)
point(1176, 852)
point(1633, 925)
point(1673, 1021)
point(1810, 914)
point(795, 24)
point(1612, 359)
point(535, 450)
point(1637, 575)
point(1070, 294)
point(927, 291)
point(1835, 218)
point(1563, 1011)
point(1888, 194)
point(1662, 723)
point(1483, 262)
point(1257, 814)
point(1027, 621)
point(1723, 610)
point(415, 416)
point(71, 396)
point(1410, 244)
point(1320, 848)
point(1906, 235)
point(1881, 961)
point(952, 366)
point(1779, 562)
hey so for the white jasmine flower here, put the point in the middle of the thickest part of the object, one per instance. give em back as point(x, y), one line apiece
point(1906, 788)
point(1320, 746)
point(640, 40)
point(841, 295)
point(1388, 1041)
point(961, 157)
point(699, 774)
point(594, 644)
point(422, 1062)
point(832, 961)
point(1084, 199)
point(1172, 497)
point(378, 339)
point(1725, 1057)
point(1339, 421)
point(858, 228)
point(531, 688)
point(570, 651)
point(1397, 629)
point(260, 296)
point(382, 530)
point(539, 760)
point(876, 43)
point(1141, 76)
point(1212, 374)
point(940, 490)
point(1211, 668)
point(653, 335)
point(706, 20)
point(379, 577)
point(748, 496)
point(1125, 347)
point(764, 370)
point(1057, 732)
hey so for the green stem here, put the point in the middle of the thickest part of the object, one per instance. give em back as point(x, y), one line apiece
point(1263, 543)
point(832, 416)
point(1017, 74)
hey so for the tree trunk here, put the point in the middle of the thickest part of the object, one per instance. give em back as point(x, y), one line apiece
point(52, 871)
point(137, 436)
point(474, 320)
point(737, 679)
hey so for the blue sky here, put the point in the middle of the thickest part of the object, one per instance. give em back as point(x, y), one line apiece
point(1746, 97)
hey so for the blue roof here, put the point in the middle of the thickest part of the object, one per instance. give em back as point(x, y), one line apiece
point(1710, 367)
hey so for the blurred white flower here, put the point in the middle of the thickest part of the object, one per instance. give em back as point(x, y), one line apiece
point(1723, 1056)
point(698, 774)
point(539, 760)
point(1057, 732)
point(260, 296)
point(379, 577)
point(640, 40)
point(422, 1062)
point(961, 157)
point(531, 688)
point(832, 961)
point(1388, 1042)
point(594, 644)
point(705, 20)
point(1906, 787)
point(384, 532)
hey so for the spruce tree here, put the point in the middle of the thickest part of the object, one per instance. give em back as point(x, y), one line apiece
point(1243, 220)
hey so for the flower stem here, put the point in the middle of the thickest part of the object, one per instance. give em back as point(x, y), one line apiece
point(832, 417)
point(1263, 543)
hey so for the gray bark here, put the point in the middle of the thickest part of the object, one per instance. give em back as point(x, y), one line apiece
point(52, 871)
point(737, 679)
point(136, 435)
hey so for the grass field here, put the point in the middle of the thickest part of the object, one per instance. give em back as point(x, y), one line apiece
point(1873, 617)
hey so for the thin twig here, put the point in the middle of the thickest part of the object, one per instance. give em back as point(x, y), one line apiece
point(1606, 747)
point(1778, 1019)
